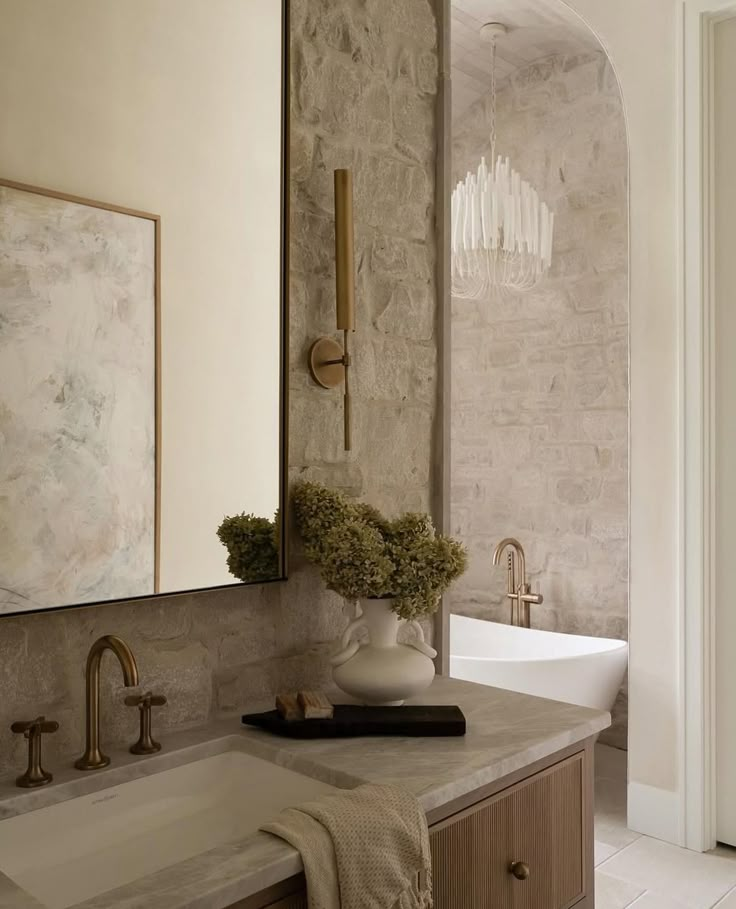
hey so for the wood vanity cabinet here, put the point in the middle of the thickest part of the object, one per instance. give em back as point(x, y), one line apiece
point(540, 818)
point(539, 827)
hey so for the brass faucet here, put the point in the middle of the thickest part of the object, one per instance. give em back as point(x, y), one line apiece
point(519, 592)
point(93, 758)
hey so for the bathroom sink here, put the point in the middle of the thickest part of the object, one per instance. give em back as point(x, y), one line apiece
point(70, 852)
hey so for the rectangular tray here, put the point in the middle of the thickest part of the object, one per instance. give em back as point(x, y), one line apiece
point(351, 720)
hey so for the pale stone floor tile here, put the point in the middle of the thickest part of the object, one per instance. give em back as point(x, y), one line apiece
point(661, 876)
point(603, 851)
point(614, 893)
point(650, 900)
point(613, 833)
point(696, 881)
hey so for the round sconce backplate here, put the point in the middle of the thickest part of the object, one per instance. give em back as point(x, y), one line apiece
point(323, 369)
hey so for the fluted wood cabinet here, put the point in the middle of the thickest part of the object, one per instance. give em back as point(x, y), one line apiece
point(522, 848)
point(523, 842)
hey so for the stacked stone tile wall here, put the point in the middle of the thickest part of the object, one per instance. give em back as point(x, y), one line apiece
point(364, 76)
point(540, 380)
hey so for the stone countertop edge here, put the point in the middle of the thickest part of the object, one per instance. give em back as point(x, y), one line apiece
point(507, 731)
point(13, 897)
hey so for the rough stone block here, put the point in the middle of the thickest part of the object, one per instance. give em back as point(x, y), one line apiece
point(392, 369)
point(344, 28)
point(328, 157)
point(316, 431)
point(578, 490)
point(312, 244)
point(404, 311)
point(426, 73)
point(413, 120)
point(393, 196)
point(395, 439)
point(502, 354)
point(411, 21)
point(301, 155)
point(586, 328)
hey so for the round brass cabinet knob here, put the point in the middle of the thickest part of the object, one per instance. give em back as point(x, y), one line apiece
point(520, 870)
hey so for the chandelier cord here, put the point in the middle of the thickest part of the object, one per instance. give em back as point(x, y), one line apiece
point(493, 103)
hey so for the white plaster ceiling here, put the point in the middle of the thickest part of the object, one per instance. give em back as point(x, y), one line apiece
point(537, 29)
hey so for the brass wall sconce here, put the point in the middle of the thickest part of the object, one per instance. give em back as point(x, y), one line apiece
point(329, 363)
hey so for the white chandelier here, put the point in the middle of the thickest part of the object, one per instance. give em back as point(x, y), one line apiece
point(501, 231)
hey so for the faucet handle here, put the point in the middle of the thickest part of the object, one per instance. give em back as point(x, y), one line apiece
point(526, 595)
point(144, 703)
point(34, 727)
point(35, 775)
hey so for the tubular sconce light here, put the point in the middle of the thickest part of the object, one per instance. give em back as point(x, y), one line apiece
point(329, 363)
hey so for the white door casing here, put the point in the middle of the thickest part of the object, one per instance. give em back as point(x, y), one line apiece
point(697, 427)
point(724, 427)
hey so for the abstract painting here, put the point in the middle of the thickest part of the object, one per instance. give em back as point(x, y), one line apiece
point(78, 326)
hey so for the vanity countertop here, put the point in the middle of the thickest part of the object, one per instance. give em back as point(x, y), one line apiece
point(507, 732)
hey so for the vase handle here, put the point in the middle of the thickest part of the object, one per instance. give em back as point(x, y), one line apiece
point(348, 648)
point(420, 644)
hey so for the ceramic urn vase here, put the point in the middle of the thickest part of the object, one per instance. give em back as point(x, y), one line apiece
point(382, 672)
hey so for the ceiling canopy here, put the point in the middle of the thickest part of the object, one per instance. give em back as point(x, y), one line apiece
point(537, 29)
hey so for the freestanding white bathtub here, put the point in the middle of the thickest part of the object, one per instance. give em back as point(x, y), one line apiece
point(562, 667)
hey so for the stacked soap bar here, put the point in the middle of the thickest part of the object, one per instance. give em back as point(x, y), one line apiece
point(304, 705)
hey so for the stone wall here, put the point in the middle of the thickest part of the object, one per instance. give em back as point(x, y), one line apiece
point(363, 84)
point(540, 380)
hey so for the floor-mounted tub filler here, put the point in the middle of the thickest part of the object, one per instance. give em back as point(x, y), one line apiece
point(562, 667)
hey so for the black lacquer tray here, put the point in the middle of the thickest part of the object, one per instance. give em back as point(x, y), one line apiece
point(351, 720)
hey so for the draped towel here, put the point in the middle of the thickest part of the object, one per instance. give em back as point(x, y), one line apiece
point(367, 848)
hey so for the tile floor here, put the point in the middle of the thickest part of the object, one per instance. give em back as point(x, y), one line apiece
point(643, 873)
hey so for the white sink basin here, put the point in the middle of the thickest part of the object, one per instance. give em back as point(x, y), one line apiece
point(70, 852)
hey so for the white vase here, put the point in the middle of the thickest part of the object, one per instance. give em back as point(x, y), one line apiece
point(382, 672)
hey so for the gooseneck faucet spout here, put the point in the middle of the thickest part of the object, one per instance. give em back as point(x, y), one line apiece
point(516, 547)
point(93, 758)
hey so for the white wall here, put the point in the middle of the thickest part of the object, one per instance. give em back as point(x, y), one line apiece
point(641, 39)
point(173, 107)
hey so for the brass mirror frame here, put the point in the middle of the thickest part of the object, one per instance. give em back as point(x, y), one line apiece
point(283, 350)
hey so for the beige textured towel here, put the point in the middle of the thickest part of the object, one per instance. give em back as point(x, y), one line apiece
point(367, 848)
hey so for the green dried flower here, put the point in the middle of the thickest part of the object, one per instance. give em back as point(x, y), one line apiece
point(360, 553)
point(317, 511)
point(372, 516)
point(253, 546)
point(353, 562)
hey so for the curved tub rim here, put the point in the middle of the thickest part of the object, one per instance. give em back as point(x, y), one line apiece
point(616, 646)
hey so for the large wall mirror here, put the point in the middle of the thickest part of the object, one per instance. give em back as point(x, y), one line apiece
point(143, 226)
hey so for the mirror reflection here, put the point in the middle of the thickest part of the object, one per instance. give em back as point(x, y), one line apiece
point(141, 297)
